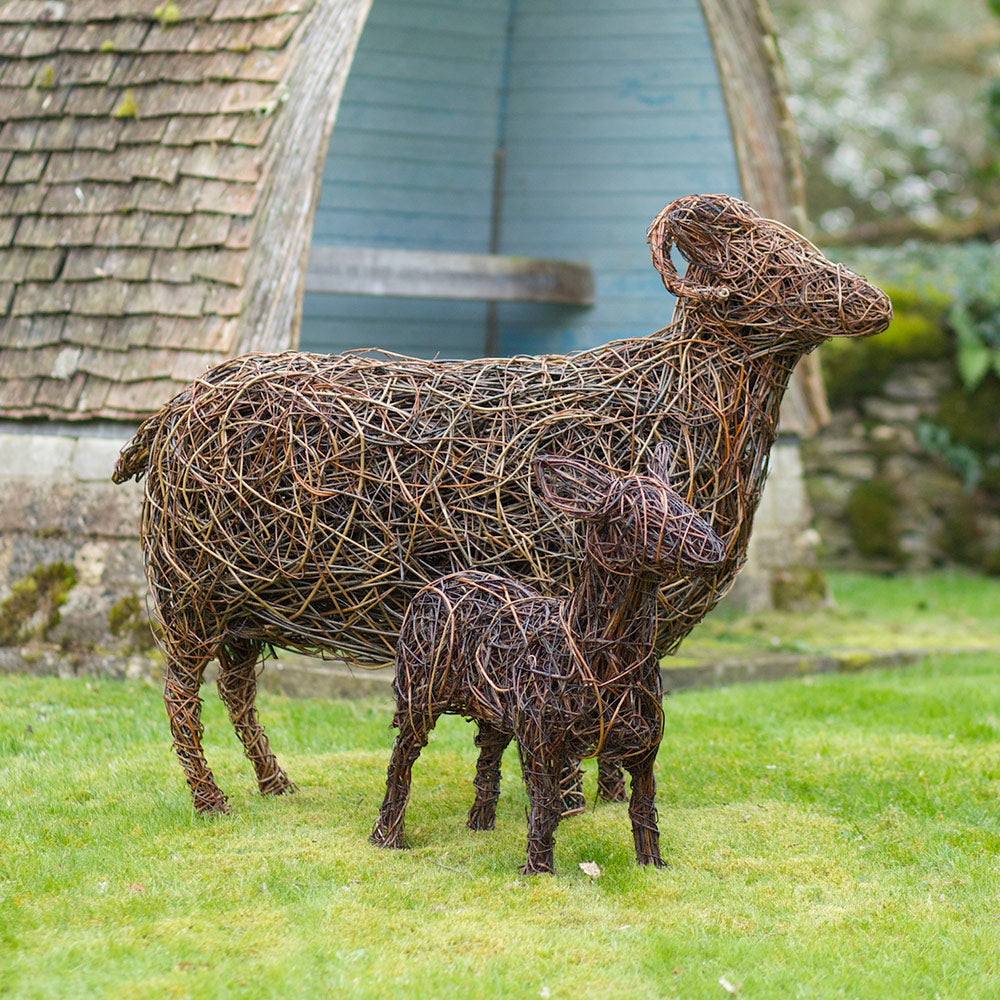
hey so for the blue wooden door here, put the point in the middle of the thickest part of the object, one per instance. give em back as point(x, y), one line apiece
point(603, 112)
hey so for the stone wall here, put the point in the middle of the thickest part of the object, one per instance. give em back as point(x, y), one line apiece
point(72, 592)
point(882, 497)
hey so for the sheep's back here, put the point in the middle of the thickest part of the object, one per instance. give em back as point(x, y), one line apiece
point(303, 499)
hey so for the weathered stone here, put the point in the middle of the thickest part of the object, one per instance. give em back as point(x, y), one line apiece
point(306, 677)
point(829, 493)
point(94, 458)
point(920, 386)
point(24, 456)
point(891, 412)
point(857, 467)
point(123, 571)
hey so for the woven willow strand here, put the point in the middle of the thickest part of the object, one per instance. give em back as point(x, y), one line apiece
point(568, 678)
point(300, 501)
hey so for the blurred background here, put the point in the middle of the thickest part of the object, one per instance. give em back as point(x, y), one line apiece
point(897, 106)
point(181, 182)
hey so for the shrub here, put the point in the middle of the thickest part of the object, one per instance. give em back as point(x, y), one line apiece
point(872, 513)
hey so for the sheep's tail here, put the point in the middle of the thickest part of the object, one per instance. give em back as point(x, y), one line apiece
point(133, 462)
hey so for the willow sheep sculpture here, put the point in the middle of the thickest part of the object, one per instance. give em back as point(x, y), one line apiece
point(299, 501)
point(567, 677)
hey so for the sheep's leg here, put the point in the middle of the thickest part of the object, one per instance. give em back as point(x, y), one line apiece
point(237, 684)
point(610, 782)
point(642, 813)
point(571, 788)
point(410, 740)
point(541, 769)
point(491, 742)
point(180, 696)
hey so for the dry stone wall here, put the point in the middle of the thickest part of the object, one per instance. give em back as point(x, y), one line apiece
point(72, 593)
point(883, 496)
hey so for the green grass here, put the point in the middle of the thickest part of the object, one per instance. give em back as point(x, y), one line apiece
point(836, 836)
point(941, 611)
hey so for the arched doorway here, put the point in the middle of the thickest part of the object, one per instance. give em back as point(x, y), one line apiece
point(510, 128)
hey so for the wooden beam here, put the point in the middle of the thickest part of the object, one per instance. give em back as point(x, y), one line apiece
point(322, 51)
point(436, 275)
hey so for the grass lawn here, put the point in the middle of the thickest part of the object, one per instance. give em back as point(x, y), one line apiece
point(835, 836)
point(944, 610)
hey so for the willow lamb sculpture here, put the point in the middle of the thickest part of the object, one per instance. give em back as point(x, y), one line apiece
point(299, 501)
point(570, 677)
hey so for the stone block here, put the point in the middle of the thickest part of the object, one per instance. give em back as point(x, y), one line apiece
point(305, 677)
point(917, 386)
point(26, 456)
point(829, 494)
point(891, 412)
point(25, 553)
point(123, 572)
point(93, 458)
point(856, 467)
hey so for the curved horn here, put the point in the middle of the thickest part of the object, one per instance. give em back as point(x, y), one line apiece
point(660, 237)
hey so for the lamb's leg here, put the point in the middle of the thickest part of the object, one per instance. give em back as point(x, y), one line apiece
point(184, 671)
point(610, 782)
point(491, 742)
point(541, 770)
point(642, 813)
point(410, 740)
point(237, 684)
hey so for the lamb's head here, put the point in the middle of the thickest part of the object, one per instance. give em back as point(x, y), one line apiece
point(634, 523)
point(759, 280)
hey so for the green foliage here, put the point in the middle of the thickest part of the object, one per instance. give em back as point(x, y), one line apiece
point(167, 13)
point(832, 837)
point(963, 282)
point(127, 107)
point(127, 620)
point(32, 608)
point(972, 421)
point(975, 318)
point(873, 515)
point(959, 457)
point(890, 129)
point(991, 96)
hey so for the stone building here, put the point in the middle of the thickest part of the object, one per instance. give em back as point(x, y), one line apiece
point(174, 191)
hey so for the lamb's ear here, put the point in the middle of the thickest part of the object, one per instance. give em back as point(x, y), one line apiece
point(658, 465)
point(572, 486)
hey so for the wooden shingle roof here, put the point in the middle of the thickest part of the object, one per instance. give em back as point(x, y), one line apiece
point(134, 155)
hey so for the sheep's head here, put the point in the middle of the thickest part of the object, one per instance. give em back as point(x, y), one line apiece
point(635, 523)
point(760, 278)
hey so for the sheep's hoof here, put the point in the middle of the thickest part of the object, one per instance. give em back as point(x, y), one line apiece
point(212, 806)
point(391, 844)
point(481, 820)
point(279, 784)
point(537, 869)
point(652, 859)
point(390, 837)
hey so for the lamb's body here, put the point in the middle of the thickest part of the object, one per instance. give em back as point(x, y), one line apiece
point(300, 501)
point(568, 678)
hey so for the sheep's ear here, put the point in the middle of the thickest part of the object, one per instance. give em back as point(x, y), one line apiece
point(658, 465)
point(690, 223)
point(572, 486)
